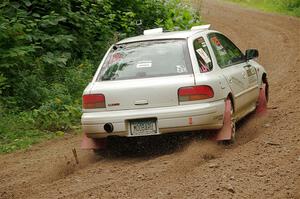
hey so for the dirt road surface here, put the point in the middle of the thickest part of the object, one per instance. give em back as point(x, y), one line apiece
point(264, 163)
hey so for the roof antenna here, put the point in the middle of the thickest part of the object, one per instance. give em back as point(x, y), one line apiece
point(139, 24)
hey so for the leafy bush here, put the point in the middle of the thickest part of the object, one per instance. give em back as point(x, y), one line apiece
point(179, 16)
point(42, 42)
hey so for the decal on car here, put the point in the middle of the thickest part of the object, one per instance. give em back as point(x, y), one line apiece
point(203, 55)
point(203, 67)
point(251, 73)
point(144, 64)
point(218, 45)
point(116, 57)
point(181, 69)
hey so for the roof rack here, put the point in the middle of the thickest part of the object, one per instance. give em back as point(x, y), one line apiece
point(203, 27)
point(153, 31)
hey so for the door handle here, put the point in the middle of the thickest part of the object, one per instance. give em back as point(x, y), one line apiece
point(230, 80)
point(141, 102)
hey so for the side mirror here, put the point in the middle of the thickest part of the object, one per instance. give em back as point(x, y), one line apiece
point(251, 54)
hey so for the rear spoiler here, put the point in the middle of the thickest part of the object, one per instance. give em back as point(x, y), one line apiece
point(203, 27)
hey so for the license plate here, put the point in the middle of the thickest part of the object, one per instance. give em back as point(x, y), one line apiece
point(143, 127)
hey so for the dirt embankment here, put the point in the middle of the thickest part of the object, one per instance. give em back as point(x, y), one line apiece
point(265, 163)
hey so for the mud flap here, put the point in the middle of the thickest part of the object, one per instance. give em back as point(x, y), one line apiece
point(225, 132)
point(90, 143)
point(261, 108)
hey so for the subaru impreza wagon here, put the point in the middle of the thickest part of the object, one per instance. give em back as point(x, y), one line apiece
point(166, 82)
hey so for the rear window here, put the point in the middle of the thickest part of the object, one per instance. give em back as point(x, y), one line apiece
point(145, 59)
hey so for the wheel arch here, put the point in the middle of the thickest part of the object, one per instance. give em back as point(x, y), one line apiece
point(230, 97)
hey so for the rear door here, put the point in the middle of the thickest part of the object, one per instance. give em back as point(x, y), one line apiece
point(240, 75)
point(144, 75)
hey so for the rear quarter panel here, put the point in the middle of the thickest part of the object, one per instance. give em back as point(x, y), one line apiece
point(214, 78)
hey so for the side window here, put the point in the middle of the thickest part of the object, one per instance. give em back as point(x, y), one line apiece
point(226, 52)
point(202, 54)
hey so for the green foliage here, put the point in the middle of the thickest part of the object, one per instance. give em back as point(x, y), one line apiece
point(180, 16)
point(2, 83)
point(50, 49)
point(17, 132)
point(290, 7)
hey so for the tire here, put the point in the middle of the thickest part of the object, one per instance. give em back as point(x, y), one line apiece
point(101, 146)
point(100, 152)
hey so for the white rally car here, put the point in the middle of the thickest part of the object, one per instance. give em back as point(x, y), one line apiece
point(166, 82)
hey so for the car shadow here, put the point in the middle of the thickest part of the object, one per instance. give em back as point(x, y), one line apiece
point(147, 147)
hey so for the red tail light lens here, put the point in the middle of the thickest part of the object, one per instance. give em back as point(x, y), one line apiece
point(93, 101)
point(195, 93)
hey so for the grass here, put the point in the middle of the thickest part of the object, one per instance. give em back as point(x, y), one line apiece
point(17, 132)
point(22, 139)
point(287, 7)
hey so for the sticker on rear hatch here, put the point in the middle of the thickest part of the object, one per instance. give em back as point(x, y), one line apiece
point(116, 57)
point(144, 64)
point(181, 69)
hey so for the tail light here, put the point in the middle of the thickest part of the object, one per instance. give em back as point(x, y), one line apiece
point(195, 93)
point(93, 101)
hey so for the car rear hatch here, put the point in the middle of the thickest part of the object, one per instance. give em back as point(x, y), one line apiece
point(144, 74)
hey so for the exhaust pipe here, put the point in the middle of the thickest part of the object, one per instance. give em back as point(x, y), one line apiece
point(108, 127)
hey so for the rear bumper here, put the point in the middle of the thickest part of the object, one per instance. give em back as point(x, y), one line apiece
point(169, 119)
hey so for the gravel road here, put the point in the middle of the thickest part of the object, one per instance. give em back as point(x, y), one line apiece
point(264, 163)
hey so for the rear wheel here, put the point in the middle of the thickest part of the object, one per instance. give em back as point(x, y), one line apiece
point(99, 151)
point(99, 147)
